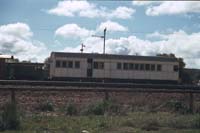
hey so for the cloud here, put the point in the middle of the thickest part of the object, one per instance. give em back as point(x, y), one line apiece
point(89, 10)
point(75, 31)
point(157, 35)
point(93, 45)
point(111, 26)
point(122, 12)
point(156, 8)
point(179, 42)
point(15, 39)
point(72, 30)
point(144, 3)
point(18, 30)
point(119, 12)
point(173, 7)
point(69, 8)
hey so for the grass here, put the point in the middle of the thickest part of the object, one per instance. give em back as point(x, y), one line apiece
point(107, 117)
point(135, 122)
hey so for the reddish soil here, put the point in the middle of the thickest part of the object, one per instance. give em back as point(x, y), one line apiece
point(29, 100)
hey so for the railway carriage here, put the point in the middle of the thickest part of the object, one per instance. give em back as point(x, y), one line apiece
point(113, 68)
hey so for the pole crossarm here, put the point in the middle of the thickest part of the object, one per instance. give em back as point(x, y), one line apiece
point(97, 36)
point(104, 40)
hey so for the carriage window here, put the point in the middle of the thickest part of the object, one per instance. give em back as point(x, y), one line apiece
point(89, 60)
point(70, 64)
point(64, 64)
point(159, 67)
point(152, 67)
point(125, 66)
point(98, 65)
point(147, 67)
point(136, 66)
point(57, 63)
point(141, 66)
point(77, 64)
point(131, 66)
point(101, 65)
point(175, 68)
point(95, 65)
point(119, 65)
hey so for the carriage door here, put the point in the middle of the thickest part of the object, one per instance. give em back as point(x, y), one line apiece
point(89, 67)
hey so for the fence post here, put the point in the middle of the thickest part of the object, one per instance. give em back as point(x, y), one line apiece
point(191, 103)
point(12, 96)
point(106, 96)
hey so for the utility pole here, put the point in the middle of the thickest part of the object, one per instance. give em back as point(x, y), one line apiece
point(104, 40)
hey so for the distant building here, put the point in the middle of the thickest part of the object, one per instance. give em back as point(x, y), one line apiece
point(11, 68)
point(2, 68)
point(3, 60)
point(191, 75)
point(25, 71)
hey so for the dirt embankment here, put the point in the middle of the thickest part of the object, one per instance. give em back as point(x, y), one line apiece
point(29, 100)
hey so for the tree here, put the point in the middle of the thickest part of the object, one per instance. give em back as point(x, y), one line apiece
point(166, 55)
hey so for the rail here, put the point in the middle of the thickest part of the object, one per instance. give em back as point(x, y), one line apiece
point(106, 86)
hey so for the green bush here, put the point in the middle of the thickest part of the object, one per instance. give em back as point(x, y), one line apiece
point(114, 109)
point(97, 109)
point(177, 106)
point(71, 109)
point(104, 107)
point(9, 118)
point(45, 106)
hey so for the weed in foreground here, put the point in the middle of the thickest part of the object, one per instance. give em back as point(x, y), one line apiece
point(71, 109)
point(177, 106)
point(45, 106)
point(197, 122)
point(9, 118)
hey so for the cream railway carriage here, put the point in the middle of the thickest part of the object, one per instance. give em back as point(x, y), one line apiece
point(113, 68)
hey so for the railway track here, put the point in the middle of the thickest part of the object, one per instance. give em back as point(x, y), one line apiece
point(62, 85)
